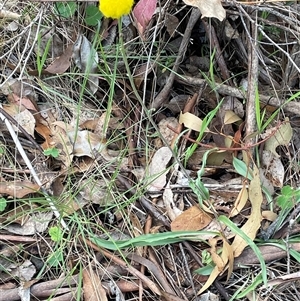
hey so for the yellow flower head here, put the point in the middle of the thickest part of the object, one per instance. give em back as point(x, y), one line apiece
point(115, 8)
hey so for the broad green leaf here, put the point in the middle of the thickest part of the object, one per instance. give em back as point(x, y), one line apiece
point(242, 168)
point(55, 258)
point(66, 9)
point(55, 233)
point(53, 152)
point(92, 15)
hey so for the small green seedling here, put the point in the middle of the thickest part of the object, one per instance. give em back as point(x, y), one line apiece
point(55, 233)
point(3, 204)
point(41, 57)
point(56, 257)
point(288, 198)
point(53, 152)
point(197, 185)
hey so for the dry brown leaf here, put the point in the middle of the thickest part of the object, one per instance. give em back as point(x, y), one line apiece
point(230, 117)
point(22, 101)
point(61, 63)
point(282, 136)
point(45, 132)
point(92, 286)
point(252, 225)
point(269, 215)
point(143, 13)
point(23, 116)
point(191, 121)
point(171, 23)
point(273, 168)
point(171, 208)
point(220, 264)
point(157, 169)
point(220, 261)
point(140, 72)
point(18, 189)
point(209, 8)
point(192, 219)
point(86, 143)
point(62, 142)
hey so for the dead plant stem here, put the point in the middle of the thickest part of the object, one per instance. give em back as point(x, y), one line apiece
point(162, 96)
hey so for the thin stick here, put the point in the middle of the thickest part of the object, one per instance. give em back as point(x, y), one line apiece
point(30, 167)
point(162, 96)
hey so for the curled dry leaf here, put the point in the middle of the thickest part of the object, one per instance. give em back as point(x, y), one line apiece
point(282, 136)
point(240, 202)
point(86, 59)
point(45, 132)
point(220, 261)
point(253, 223)
point(209, 8)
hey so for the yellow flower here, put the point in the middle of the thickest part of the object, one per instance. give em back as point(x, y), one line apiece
point(115, 8)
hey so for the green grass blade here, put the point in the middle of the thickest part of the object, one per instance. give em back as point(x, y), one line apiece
point(157, 239)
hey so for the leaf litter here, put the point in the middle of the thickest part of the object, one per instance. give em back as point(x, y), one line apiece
point(142, 166)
